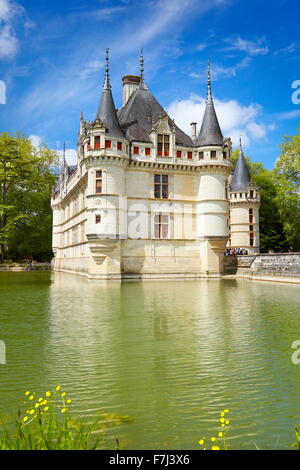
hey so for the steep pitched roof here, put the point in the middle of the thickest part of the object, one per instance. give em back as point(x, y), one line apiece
point(241, 177)
point(210, 132)
point(140, 112)
point(106, 110)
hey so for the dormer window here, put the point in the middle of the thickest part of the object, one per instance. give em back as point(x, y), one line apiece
point(108, 144)
point(224, 155)
point(147, 151)
point(136, 150)
point(201, 155)
point(119, 145)
point(213, 154)
point(190, 155)
point(97, 142)
point(178, 154)
point(163, 145)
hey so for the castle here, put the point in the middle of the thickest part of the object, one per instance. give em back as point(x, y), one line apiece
point(146, 200)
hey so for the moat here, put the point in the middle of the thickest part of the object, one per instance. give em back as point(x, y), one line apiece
point(172, 354)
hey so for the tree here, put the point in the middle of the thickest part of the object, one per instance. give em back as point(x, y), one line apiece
point(26, 181)
point(287, 174)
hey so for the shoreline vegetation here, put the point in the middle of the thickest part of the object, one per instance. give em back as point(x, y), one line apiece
point(45, 422)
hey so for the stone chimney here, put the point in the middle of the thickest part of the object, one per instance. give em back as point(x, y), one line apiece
point(130, 84)
point(194, 130)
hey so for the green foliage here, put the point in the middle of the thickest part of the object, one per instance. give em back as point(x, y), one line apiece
point(26, 181)
point(49, 425)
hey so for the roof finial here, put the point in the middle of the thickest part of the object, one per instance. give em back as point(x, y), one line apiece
point(142, 80)
point(106, 85)
point(209, 93)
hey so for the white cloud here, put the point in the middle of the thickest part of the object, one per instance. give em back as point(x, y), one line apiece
point(71, 156)
point(235, 119)
point(253, 48)
point(287, 50)
point(8, 40)
point(289, 115)
point(201, 46)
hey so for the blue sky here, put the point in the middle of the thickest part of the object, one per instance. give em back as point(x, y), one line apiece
point(52, 61)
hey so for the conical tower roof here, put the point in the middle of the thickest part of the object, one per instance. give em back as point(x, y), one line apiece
point(210, 132)
point(106, 110)
point(241, 177)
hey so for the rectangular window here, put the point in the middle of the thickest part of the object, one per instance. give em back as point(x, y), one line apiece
point(147, 151)
point(224, 155)
point(251, 219)
point(97, 219)
point(251, 194)
point(190, 155)
point(108, 144)
point(213, 154)
point(89, 145)
point(97, 141)
point(251, 239)
point(161, 186)
point(136, 150)
point(251, 228)
point(119, 146)
point(161, 226)
point(99, 181)
point(201, 155)
point(178, 154)
point(163, 145)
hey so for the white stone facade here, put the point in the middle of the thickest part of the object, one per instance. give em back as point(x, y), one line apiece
point(126, 211)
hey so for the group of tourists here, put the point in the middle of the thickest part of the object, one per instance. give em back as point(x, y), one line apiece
point(235, 251)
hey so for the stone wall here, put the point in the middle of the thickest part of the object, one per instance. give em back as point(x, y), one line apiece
point(23, 267)
point(273, 265)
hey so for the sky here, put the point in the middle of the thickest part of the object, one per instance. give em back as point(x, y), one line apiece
point(52, 56)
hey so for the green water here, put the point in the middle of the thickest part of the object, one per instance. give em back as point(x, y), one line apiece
point(172, 354)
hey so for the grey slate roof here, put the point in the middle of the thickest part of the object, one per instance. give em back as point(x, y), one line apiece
point(107, 113)
point(140, 112)
point(210, 132)
point(241, 177)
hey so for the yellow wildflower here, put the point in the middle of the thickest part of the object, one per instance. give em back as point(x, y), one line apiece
point(46, 408)
point(222, 420)
point(220, 434)
point(27, 393)
point(63, 394)
point(25, 419)
point(37, 405)
point(31, 397)
point(45, 402)
point(69, 401)
point(226, 411)
point(227, 421)
point(31, 412)
point(215, 448)
point(64, 410)
point(48, 394)
point(222, 414)
point(201, 442)
point(213, 439)
point(57, 388)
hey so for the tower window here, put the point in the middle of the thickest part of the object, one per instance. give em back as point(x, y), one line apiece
point(97, 141)
point(163, 145)
point(250, 216)
point(213, 154)
point(161, 186)
point(178, 154)
point(97, 219)
point(119, 146)
point(201, 155)
point(99, 181)
point(190, 155)
point(251, 194)
point(224, 155)
point(147, 151)
point(136, 150)
point(89, 145)
point(161, 226)
point(108, 144)
point(251, 239)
